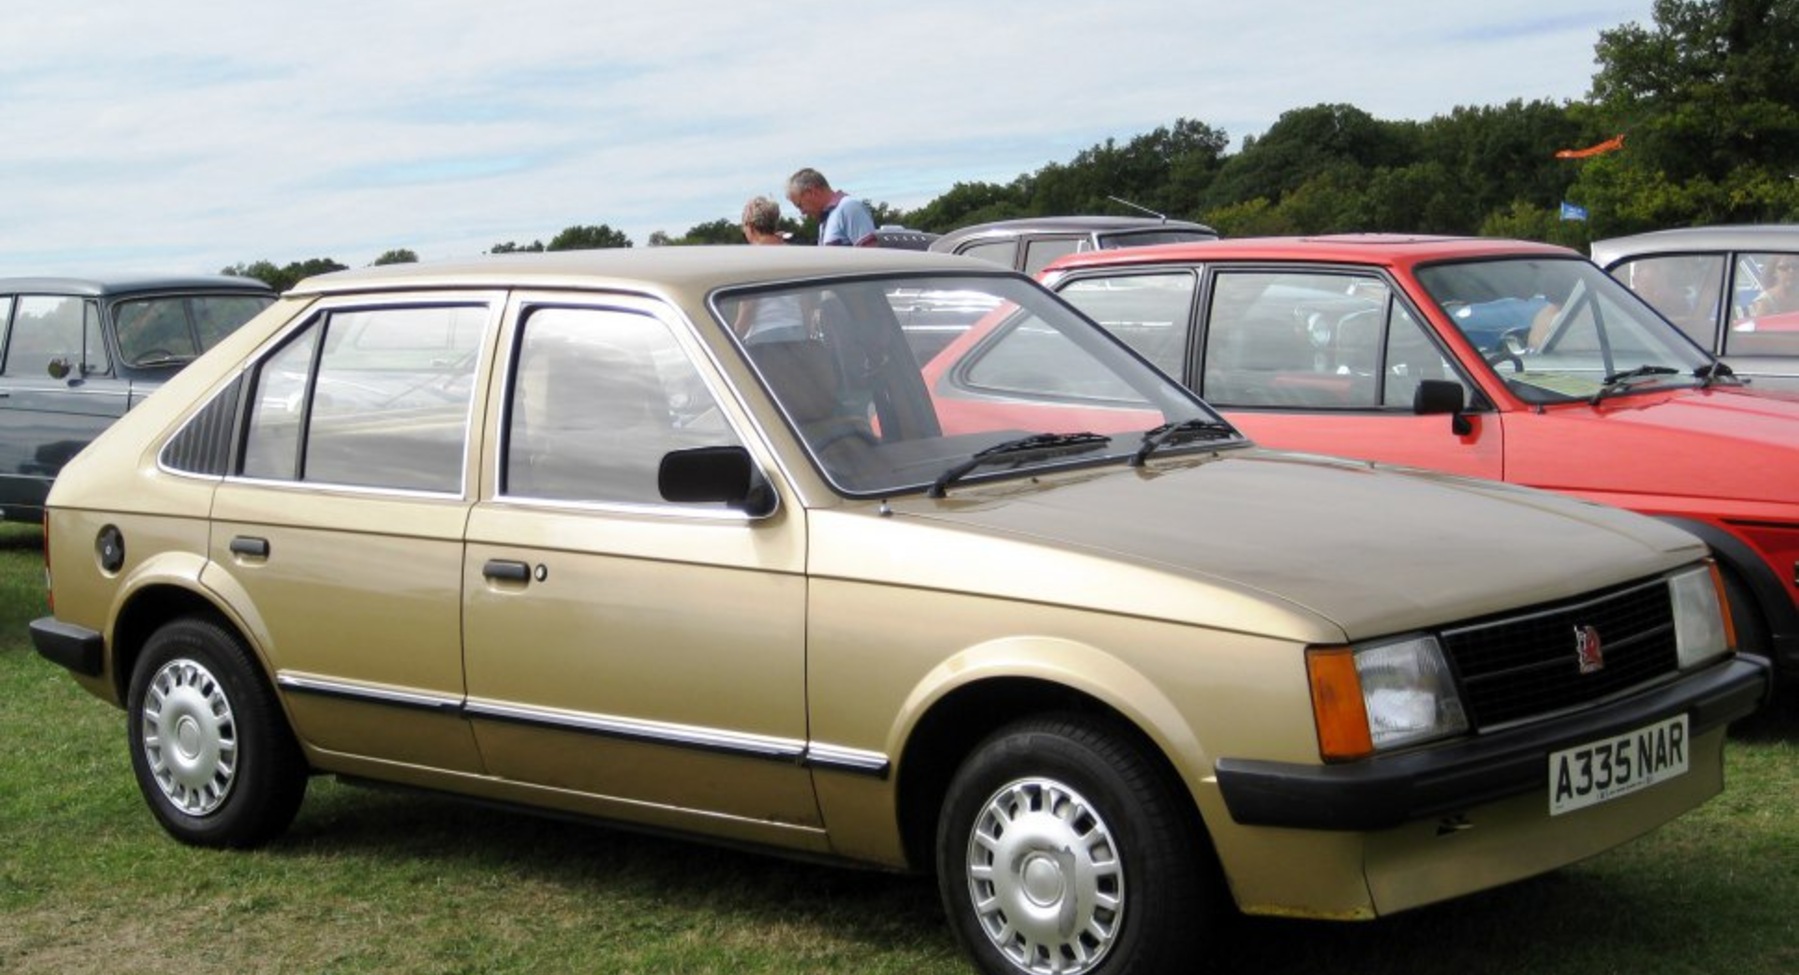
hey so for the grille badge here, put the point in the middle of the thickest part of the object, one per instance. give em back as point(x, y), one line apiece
point(1588, 650)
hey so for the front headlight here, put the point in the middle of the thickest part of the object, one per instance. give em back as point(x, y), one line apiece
point(1702, 629)
point(1380, 696)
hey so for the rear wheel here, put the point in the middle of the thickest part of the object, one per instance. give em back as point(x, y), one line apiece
point(210, 747)
point(1063, 849)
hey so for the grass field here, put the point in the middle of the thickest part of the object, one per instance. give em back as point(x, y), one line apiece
point(375, 882)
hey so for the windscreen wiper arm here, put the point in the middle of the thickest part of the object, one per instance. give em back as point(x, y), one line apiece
point(1181, 432)
point(1035, 447)
point(1619, 381)
point(1713, 371)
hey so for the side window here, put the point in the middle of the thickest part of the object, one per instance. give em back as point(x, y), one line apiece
point(1038, 253)
point(1684, 288)
point(381, 395)
point(1152, 313)
point(598, 397)
point(1765, 320)
point(54, 327)
point(998, 251)
point(1295, 339)
point(1412, 358)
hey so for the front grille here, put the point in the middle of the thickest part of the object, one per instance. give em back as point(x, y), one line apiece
point(1521, 665)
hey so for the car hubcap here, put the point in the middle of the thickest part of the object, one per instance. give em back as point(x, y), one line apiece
point(190, 737)
point(1045, 877)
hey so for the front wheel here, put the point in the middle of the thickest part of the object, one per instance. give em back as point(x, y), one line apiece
point(1063, 849)
point(210, 747)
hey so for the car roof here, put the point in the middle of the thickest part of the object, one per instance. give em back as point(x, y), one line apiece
point(101, 286)
point(1391, 250)
point(1738, 237)
point(696, 270)
point(1086, 224)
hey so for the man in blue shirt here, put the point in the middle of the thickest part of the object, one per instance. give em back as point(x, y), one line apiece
point(842, 220)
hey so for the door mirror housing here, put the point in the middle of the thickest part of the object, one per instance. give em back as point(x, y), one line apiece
point(1443, 396)
point(724, 474)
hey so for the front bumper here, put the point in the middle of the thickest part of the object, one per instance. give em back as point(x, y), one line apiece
point(1386, 791)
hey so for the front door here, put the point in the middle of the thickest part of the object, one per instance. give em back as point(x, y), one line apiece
point(644, 660)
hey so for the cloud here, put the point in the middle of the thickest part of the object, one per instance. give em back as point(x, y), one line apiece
point(186, 136)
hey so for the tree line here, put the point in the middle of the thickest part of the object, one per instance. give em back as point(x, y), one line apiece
point(1692, 119)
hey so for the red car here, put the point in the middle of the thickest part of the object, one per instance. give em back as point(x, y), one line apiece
point(1500, 359)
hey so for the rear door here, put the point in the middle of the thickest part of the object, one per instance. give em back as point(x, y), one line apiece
point(342, 522)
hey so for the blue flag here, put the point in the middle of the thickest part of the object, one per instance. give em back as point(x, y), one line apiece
point(1572, 212)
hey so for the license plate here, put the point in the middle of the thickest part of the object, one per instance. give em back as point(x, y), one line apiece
point(1589, 774)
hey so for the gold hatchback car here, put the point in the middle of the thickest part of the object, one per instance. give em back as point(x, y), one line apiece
point(682, 539)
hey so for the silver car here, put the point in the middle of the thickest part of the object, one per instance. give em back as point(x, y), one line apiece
point(1734, 290)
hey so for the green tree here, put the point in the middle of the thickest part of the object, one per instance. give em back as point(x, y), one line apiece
point(588, 238)
point(513, 247)
point(283, 278)
point(1305, 142)
point(1708, 101)
point(397, 256)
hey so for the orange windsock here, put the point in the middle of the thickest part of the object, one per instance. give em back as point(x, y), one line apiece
point(1614, 143)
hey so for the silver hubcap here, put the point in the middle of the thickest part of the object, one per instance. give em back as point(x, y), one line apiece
point(1046, 877)
point(190, 737)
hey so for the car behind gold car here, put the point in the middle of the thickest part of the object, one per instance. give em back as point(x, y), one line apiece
point(681, 539)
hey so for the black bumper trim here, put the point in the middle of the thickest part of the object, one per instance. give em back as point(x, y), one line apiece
point(1383, 792)
point(76, 648)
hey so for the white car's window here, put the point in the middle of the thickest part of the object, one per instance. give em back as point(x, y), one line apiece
point(1683, 287)
point(599, 396)
point(998, 251)
point(1038, 253)
point(382, 395)
point(1765, 314)
point(1152, 313)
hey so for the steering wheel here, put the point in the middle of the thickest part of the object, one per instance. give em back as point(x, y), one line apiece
point(1505, 354)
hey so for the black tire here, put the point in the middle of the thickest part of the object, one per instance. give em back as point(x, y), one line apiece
point(210, 747)
point(1102, 869)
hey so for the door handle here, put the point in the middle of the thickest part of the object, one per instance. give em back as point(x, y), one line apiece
point(506, 570)
point(256, 548)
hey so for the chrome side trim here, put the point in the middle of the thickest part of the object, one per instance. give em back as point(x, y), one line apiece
point(370, 694)
point(834, 758)
point(830, 758)
point(650, 732)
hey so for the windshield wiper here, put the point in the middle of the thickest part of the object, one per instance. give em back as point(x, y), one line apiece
point(1619, 381)
point(1713, 371)
point(161, 357)
point(1039, 446)
point(1183, 431)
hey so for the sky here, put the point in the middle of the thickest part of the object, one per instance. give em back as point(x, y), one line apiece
point(186, 136)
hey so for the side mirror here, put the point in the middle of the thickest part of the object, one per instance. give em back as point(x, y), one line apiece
point(715, 474)
point(58, 368)
point(1443, 396)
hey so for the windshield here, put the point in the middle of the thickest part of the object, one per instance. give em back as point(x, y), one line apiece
point(174, 329)
point(1558, 329)
point(902, 384)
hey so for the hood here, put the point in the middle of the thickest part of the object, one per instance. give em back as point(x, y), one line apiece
point(1301, 547)
point(1726, 444)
